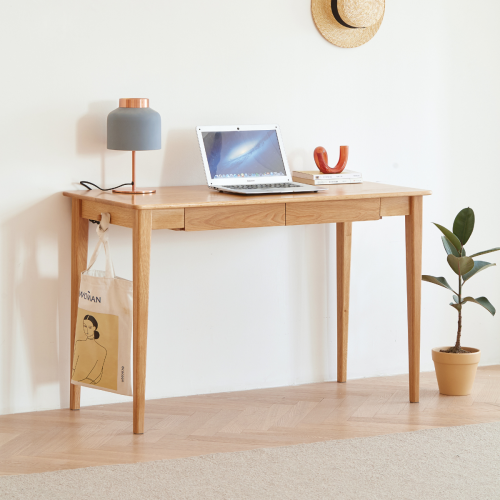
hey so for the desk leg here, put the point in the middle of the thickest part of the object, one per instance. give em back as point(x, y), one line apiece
point(413, 283)
point(79, 247)
point(141, 256)
point(344, 233)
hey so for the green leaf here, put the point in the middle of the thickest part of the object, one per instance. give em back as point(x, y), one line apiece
point(463, 252)
point(451, 237)
point(437, 281)
point(486, 251)
point(482, 301)
point(464, 225)
point(461, 265)
point(450, 249)
point(479, 265)
point(456, 306)
point(455, 298)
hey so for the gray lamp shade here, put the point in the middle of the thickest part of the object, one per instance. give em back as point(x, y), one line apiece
point(134, 129)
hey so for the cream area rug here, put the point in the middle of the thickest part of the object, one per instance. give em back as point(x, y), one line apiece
point(448, 463)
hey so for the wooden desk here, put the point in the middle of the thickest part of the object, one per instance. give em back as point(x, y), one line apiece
point(198, 208)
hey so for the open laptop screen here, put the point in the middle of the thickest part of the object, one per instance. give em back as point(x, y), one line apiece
point(243, 153)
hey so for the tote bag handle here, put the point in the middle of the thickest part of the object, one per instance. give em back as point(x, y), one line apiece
point(103, 240)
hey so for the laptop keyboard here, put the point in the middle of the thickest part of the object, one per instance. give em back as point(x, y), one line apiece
point(265, 186)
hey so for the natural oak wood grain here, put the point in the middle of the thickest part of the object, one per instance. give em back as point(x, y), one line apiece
point(344, 238)
point(141, 258)
point(202, 196)
point(206, 218)
point(119, 216)
point(413, 281)
point(216, 423)
point(395, 206)
point(199, 208)
point(79, 249)
point(168, 218)
point(320, 212)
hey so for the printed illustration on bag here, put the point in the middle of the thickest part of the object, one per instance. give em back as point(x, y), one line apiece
point(95, 359)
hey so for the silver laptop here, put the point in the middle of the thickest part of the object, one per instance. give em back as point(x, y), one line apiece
point(247, 159)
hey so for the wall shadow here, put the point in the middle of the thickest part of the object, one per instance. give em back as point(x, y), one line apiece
point(91, 133)
point(182, 163)
point(36, 250)
point(299, 159)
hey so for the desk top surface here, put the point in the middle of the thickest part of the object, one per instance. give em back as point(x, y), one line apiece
point(202, 196)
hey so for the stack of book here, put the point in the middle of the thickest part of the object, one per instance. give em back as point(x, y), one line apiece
point(316, 178)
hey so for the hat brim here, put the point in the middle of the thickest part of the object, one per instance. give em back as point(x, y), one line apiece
point(337, 34)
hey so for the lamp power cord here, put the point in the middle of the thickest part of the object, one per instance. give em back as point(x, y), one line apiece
point(84, 183)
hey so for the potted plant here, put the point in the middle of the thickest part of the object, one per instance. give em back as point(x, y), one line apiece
point(456, 365)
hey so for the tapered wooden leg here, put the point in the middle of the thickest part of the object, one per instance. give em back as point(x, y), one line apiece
point(344, 233)
point(413, 283)
point(141, 256)
point(79, 247)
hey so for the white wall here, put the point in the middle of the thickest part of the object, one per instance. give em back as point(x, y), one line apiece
point(418, 106)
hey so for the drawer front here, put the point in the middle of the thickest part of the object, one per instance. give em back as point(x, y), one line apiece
point(232, 217)
point(320, 212)
point(395, 206)
point(169, 218)
point(119, 216)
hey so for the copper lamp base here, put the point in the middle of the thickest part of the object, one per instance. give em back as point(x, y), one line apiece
point(133, 190)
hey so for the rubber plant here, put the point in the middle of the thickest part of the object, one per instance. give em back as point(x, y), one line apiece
point(465, 267)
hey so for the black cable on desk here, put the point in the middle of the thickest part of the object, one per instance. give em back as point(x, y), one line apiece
point(84, 183)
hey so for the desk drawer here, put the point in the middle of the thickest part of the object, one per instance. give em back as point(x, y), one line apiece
point(119, 216)
point(232, 217)
point(169, 218)
point(320, 212)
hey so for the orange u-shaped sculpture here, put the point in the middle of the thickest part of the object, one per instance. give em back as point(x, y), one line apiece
point(321, 159)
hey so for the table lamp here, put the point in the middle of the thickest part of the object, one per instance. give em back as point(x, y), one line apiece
point(134, 126)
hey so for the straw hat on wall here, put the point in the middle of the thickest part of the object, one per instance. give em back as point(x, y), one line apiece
point(348, 23)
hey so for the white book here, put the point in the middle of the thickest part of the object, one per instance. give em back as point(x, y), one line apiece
point(319, 182)
point(315, 174)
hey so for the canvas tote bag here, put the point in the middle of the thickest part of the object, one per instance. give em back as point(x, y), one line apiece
point(103, 337)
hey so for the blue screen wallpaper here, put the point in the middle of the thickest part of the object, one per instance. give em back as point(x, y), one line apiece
point(243, 153)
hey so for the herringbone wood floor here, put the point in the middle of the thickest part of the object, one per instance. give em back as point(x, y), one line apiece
point(197, 425)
